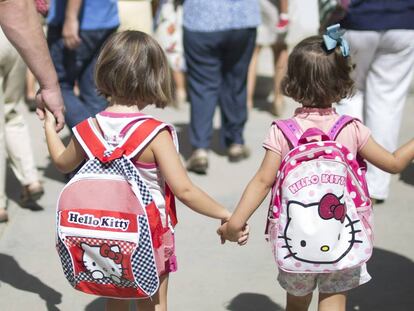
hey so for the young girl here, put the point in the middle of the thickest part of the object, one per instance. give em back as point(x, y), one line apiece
point(132, 72)
point(316, 78)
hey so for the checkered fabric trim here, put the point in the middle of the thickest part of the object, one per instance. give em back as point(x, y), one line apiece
point(125, 246)
point(86, 277)
point(132, 174)
point(143, 262)
point(66, 262)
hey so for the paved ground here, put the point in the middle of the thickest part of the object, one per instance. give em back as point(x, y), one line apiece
point(211, 277)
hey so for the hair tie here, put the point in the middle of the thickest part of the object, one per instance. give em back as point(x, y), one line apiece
point(333, 37)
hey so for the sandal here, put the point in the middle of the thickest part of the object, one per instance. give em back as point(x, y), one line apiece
point(31, 193)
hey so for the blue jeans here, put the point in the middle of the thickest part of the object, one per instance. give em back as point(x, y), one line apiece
point(78, 66)
point(217, 65)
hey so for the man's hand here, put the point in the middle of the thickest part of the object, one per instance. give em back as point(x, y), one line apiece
point(70, 33)
point(51, 98)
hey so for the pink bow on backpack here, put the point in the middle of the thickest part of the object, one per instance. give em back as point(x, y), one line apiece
point(106, 251)
point(330, 207)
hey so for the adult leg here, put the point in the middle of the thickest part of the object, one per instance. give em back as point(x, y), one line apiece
point(332, 302)
point(204, 78)
point(298, 303)
point(387, 87)
point(87, 55)
point(280, 58)
point(364, 45)
point(17, 134)
point(159, 301)
point(66, 66)
point(251, 77)
point(237, 49)
point(5, 50)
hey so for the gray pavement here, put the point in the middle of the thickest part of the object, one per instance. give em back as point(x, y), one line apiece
point(211, 277)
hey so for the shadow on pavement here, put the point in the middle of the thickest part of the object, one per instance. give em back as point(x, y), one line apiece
point(96, 305)
point(252, 302)
point(12, 274)
point(184, 141)
point(391, 287)
point(407, 175)
point(99, 305)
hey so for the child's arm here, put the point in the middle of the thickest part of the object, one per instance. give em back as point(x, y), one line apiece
point(66, 159)
point(176, 177)
point(390, 162)
point(256, 191)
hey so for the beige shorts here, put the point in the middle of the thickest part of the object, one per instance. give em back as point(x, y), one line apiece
point(302, 284)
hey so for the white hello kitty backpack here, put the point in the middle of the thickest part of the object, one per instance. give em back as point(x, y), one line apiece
point(110, 236)
point(320, 216)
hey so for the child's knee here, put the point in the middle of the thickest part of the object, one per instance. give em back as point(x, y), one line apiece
point(298, 303)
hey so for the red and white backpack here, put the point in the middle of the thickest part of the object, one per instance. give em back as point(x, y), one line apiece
point(320, 216)
point(110, 236)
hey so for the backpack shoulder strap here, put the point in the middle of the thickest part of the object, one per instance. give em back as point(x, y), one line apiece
point(342, 121)
point(142, 133)
point(90, 138)
point(137, 138)
point(291, 129)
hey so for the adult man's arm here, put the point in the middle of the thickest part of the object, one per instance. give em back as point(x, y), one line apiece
point(70, 31)
point(20, 23)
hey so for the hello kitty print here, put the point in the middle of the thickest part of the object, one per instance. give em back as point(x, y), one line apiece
point(320, 217)
point(103, 261)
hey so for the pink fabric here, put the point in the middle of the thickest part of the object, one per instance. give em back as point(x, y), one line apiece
point(354, 135)
point(121, 114)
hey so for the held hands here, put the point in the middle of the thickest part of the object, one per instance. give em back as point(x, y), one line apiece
point(50, 99)
point(50, 121)
point(240, 237)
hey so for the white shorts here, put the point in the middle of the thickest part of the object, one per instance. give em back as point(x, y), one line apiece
point(302, 284)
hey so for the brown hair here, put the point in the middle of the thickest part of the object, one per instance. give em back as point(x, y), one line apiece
point(316, 77)
point(132, 67)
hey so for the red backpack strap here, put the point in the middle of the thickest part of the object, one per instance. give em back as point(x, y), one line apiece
point(136, 139)
point(342, 121)
point(291, 129)
point(90, 138)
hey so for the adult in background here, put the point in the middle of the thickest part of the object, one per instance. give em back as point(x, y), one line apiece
point(219, 38)
point(20, 24)
point(76, 31)
point(381, 36)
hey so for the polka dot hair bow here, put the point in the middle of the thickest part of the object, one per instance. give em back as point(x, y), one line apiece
point(334, 36)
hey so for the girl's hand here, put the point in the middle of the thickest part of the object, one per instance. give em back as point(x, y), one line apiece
point(50, 120)
point(240, 237)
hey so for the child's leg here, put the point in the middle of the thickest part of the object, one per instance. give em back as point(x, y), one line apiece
point(283, 6)
point(158, 302)
point(117, 305)
point(298, 303)
point(332, 302)
point(251, 77)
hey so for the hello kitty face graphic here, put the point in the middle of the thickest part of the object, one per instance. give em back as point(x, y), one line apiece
point(103, 261)
point(319, 232)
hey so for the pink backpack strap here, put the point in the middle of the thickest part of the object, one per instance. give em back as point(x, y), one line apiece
point(291, 129)
point(339, 125)
point(90, 138)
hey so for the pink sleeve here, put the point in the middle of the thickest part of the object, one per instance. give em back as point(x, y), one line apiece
point(362, 134)
point(274, 140)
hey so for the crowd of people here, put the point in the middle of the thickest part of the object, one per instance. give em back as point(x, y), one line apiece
point(85, 68)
